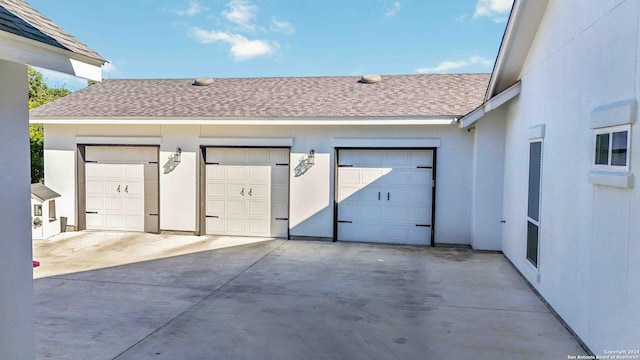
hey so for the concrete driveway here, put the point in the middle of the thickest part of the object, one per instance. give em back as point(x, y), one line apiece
point(277, 299)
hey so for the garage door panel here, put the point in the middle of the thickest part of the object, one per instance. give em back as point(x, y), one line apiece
point(259, 208)
point(236, 207)
point(236, 173)
point(95, 221)
point(350, 176)
point(236, 190)
point(134, 204)
point(113, 203)
point(260, 187)
point(115, 187)
point(135, 222)
point(421, 158)
point(278, 156)
point(405, 196)
point(398, 177)
point(279, 209)
point(236, 226)
point(259, 191)
point(258, 226)
point(216, 207)
point(215, 225)
point(348, 193)
point(258, 156)
point(134, 188)
point(370, 176)
point(216, 173)
point(216, 189)
point(114, 222)
point(397, 158)
point(95, 203)
point(280, 175)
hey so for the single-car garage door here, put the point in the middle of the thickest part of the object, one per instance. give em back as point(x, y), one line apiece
point(121, 188)
point(247, 192)
point(385, 196)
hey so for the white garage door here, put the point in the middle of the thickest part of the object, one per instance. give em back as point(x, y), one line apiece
point(121, 188)
point(247, 192)
point(385, 196)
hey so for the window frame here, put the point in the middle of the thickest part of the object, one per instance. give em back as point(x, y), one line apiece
point(52, 210)
point(610, 130)
point(530, 220)
point(37, 209)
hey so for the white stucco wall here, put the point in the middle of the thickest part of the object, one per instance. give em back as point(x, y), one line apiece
point(311, 195)
point(16, 280)
point(584, 56)
point(487, 181)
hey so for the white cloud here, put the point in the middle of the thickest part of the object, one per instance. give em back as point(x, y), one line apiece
point(241, 12)
point(447, 66)
point(108, 69)
point(282, 26)
point(194, 8)
point(496, 10)
point(241, 47)
point(394, 9)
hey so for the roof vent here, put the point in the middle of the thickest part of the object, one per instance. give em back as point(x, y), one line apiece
point(203, 81)
point(370, 79)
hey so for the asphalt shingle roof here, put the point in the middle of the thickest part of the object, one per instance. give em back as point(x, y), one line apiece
point(264, 98)
point(42, 192)
point(18, 18)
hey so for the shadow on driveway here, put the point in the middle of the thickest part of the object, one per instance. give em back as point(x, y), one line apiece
point(277, 299)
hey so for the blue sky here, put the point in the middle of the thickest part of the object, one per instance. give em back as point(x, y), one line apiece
point(270, 38)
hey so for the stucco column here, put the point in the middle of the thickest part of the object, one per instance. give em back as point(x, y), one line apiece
point(17, 339)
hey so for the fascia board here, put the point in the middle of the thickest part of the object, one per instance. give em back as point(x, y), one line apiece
point(27, 51)
point(490, 105)
point(293, 121)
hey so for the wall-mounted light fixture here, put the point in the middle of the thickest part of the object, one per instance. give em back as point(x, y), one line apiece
point(311, 158)
point(176, 155)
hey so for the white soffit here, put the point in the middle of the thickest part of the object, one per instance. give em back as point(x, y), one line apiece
point(490, 105)
point(26, 51)
point(386, 142)
point(517, 40)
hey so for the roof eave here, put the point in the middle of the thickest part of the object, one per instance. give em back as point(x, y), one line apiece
point(27, 51)
point(309, 121)
point(490, 105)
point(518, 37)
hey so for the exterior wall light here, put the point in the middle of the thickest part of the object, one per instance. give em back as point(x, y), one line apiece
point(311, 158)
point(176, 155)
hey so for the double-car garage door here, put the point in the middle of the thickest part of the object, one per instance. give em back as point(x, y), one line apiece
point(385, 196)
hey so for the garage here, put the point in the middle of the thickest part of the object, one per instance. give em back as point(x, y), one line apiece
point(385, 196)
point(247, 192)
point(121, 188)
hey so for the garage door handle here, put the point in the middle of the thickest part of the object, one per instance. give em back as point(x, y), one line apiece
point(118, 190)
point(91, 212)
point(242, 192)
point(388, 196)
point(250, 191)
point(126, 189)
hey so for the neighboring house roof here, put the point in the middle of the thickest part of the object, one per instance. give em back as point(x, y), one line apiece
point(18, 18)
point(43, 193)
point(273, 98)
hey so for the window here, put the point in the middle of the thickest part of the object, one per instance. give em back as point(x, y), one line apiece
point(52, 210)
point(612, 148)
point(533, 203)
point(37, 210)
